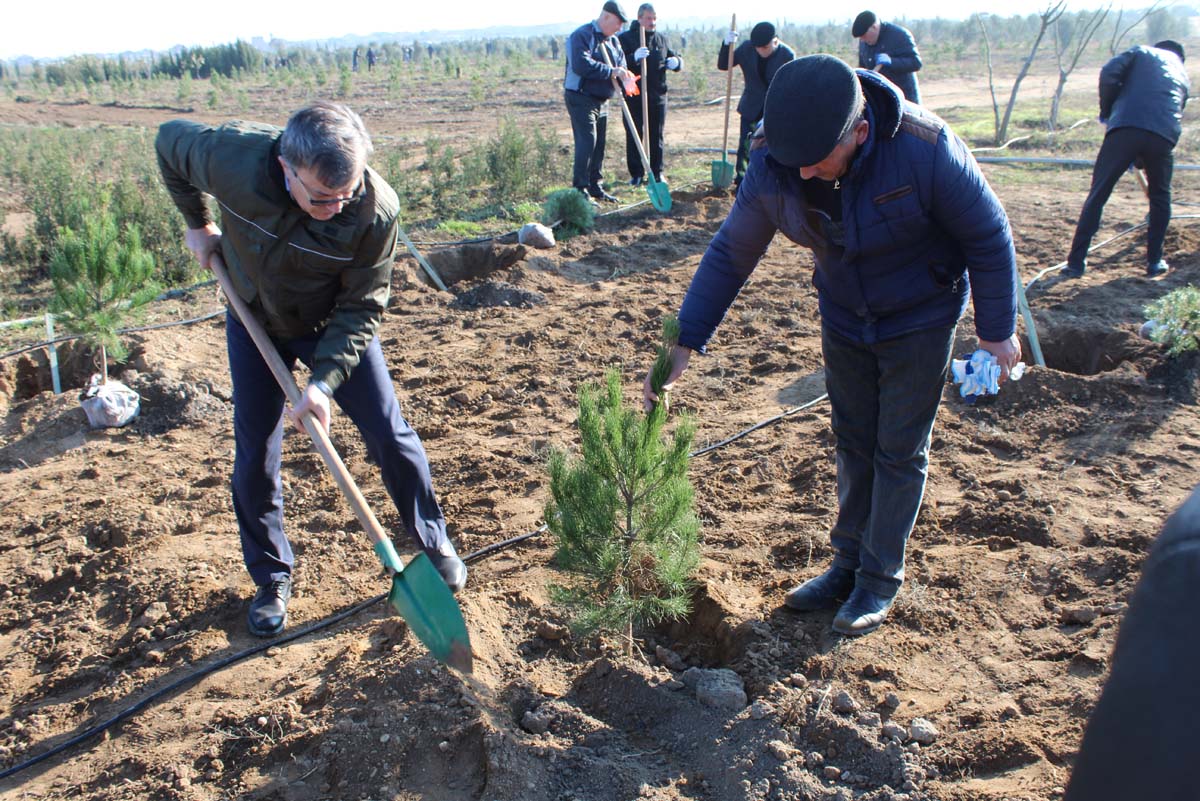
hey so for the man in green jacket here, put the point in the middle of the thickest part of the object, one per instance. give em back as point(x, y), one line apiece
point(309, 239)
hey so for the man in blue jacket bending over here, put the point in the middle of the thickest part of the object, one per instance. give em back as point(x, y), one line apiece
point(903, 228)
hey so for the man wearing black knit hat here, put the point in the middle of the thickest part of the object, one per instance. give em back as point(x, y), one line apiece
point(903, 229)
point(888, 49)
point(760, 58)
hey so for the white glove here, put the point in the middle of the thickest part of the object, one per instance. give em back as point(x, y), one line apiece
point(731, 37)
point(641, 53)
point(672, 62)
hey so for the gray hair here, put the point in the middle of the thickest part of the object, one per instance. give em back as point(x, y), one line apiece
point(328, 138)
point(644, 7)
point(858, 118)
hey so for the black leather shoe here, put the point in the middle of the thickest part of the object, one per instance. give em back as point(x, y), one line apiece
point(1074, 271)
point(823, 592)
point(863, 611)
point(1158, 269)
point(452, 569)
point(599, 193)
point(268, 610)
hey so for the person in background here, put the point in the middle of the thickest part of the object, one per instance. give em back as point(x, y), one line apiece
point(370, 59)
point(587, 87)
point(309, 239)
point(760, 58)
point(903, 229)
point(659, 58)
point(1142, 95)
point(888, 49)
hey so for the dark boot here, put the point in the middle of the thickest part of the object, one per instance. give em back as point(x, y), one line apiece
point(268, 610)
point(452, 569)
point(597, 191)
point(863, 611)
point(823, 592)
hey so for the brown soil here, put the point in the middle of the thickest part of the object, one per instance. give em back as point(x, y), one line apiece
point(120, 571)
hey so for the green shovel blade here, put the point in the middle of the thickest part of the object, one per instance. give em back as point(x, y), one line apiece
point(659, 192)
point(722, 174)
point(428, 607)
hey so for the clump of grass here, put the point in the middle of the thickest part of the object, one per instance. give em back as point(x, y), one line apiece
point(572, 211)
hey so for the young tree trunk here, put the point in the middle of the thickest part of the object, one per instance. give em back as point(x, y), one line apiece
point(103, 365)
point(1083, 37)
point(987, 55)
point(1049, 16)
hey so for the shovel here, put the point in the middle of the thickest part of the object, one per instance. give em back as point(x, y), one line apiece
point(418, 592)
point(660, 194)
point(722, 171)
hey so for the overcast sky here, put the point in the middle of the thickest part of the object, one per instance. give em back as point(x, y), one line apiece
point(67, 27)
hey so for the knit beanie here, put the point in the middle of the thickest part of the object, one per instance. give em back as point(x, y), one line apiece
point(762, 34)
point(811, 104)
point(862, 22)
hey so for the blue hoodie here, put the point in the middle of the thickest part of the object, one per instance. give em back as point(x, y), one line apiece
point(920, 229)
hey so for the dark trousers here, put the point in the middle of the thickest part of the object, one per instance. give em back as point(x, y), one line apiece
point(654, 147)
point(369, 400)
point(743, 152)
point(589, 124)
point(884, 398)
point(1121, 148)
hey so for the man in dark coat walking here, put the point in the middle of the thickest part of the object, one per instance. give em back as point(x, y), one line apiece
point(903, 229)
point(760, 58)
point(1142, 95)
point(659, 57)
point(888, 49)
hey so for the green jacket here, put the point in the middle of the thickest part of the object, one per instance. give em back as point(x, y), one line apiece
point(298, 275)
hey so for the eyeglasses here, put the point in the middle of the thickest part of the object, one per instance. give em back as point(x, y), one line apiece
point(333, 201)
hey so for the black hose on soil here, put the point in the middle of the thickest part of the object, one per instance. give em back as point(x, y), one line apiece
point(220, 664)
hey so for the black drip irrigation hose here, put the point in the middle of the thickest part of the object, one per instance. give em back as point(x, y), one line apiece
point(221, 664)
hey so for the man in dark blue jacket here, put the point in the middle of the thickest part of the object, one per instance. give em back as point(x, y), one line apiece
point(659, 57)
point(888, 49)
point(587, 87)
point(760, 58)
point(898, 217)
point(1142, 95)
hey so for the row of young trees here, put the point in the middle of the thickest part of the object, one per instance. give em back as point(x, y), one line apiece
point(240, 57)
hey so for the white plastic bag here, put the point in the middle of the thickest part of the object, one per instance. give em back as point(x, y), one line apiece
point(536, 235)
point(110, 405)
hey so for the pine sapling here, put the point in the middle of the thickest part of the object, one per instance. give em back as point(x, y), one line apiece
point(622, 513)
point(1176, 318)
point(98, 279)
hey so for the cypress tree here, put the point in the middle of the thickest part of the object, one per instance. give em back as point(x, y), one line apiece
point(622, 512)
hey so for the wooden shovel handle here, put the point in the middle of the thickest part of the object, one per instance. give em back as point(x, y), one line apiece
point(728, 91)
point(637, 140)
point(645, 93)
point(288, 384)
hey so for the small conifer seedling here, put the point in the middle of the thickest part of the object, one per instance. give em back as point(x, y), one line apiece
point(622, 512)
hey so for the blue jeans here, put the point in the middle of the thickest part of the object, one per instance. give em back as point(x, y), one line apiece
point(884, 398)
point(368, 399)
